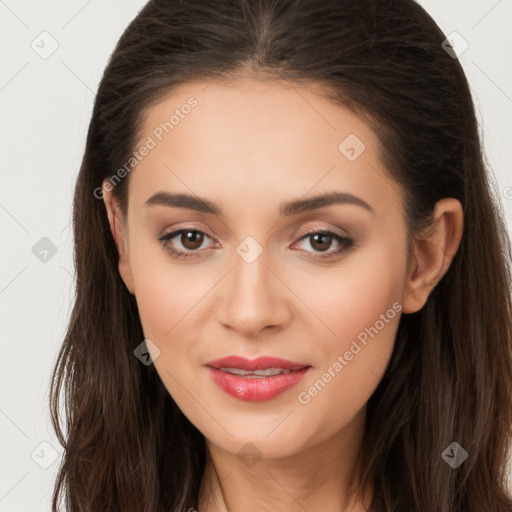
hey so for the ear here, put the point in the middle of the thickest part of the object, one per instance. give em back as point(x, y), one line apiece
point(433, 254)
point(119, 231)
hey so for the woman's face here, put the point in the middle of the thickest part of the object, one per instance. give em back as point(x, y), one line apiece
point(248, 158)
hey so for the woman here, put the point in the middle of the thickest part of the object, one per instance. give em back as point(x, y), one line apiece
point(293, 285)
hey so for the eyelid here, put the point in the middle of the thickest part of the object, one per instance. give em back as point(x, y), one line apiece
point(345, 241)
point(344, 234)
point(173, 233)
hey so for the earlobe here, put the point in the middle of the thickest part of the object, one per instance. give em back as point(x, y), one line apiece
point(115, 220)
point(433, 254)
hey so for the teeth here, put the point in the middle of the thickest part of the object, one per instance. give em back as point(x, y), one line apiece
point(269, 372)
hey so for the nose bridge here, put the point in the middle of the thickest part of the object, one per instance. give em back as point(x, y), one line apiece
point(253, 297)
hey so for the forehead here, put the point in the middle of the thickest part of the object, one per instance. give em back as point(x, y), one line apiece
point(266, 139)
point(251, 107)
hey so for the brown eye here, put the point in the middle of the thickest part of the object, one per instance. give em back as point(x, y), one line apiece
point(322, 241)
point(191, 239)
point(183, 243)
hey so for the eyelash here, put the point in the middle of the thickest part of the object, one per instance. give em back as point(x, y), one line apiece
point(346, 243)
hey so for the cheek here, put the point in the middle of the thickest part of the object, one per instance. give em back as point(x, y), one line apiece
point(352, 296)
point(338, 312)
point(360, 308)
point(165, 291)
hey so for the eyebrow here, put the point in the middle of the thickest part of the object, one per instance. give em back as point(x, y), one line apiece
point(290, 208)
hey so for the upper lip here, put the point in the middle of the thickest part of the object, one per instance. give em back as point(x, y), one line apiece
point(260, 363)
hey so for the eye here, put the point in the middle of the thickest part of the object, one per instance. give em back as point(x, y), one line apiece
point(190, 239)
point(322, 240)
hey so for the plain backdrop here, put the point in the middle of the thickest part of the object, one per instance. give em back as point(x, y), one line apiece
point(45, 107)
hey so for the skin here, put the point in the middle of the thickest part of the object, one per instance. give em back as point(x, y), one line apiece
point(249, 146)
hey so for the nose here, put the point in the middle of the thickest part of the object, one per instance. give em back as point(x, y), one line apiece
point(253, 298)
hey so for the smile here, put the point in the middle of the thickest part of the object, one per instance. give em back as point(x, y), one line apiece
point(270, 372)
point(256, 380)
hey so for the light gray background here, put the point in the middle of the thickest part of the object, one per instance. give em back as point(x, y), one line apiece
point(46, 105)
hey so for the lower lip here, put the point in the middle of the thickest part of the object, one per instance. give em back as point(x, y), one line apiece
point(256, 389)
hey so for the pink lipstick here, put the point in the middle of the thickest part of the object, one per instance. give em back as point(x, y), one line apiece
point(256, 380)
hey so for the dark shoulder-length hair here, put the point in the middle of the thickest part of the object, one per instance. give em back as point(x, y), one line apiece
point(127, 446)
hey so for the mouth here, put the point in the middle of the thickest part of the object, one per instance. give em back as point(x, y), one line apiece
point(256, 380)
point(255, 374)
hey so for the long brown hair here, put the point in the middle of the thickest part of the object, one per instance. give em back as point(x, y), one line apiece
point(127, 446)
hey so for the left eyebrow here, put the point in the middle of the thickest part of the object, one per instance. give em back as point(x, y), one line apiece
point(287, 209)
point(313, 203)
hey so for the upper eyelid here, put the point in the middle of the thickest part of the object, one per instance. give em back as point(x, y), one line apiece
point(328, 231)
point(345, 243)
point(175, 232)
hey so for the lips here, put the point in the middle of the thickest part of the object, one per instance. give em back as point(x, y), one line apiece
point(257, 379)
